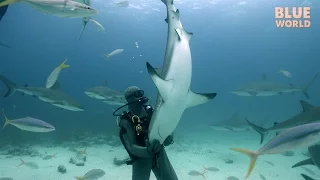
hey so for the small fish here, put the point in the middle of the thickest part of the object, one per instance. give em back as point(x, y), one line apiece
point(212, 169)
point(123, 3)
point(32, 165)
point(47, 157)
point(269, 162)
point(262, 176)
point(292, 138)
point(197, 173)
point(113, 53)
point(232, 178)
point(29, 124)
point(6, 178)
point(100, 27)
point(79, 153)
point(286, 73)
point(54, 75)
point(92, 175)
point(137, 45)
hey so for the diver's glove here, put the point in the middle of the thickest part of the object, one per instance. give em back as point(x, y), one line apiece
point(168, 140)
point(153, 147)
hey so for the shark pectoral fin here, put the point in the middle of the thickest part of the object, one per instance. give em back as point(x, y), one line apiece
point(252, 93)
point(195, 99)
point(306, 177)
point(183, 33)
point(158, 70)
point(164, 87)
point(304, 162)
point(56, 86)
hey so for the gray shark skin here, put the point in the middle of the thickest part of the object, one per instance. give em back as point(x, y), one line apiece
point(314, 152)
point(309, 114)
point(268, 88)
point(52, 95)
point(107, 95)
point(173, 83)
point(234, 124)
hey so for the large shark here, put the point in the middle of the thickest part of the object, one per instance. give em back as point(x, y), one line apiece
point(263, 87)
point(234, 123)
point(50, 95)
point(173, 83)
point(314, 159)
point(107, 95)
point(309, 114)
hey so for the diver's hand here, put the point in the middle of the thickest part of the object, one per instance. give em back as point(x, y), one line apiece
point(154, 147)
point(168, 140)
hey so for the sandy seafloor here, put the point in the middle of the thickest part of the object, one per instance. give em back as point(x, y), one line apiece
point(189, 152)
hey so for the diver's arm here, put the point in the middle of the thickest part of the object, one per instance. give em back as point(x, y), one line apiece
point(131, 143)
point(168, 140)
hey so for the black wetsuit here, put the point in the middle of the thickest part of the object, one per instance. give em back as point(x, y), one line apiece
point(142, 162)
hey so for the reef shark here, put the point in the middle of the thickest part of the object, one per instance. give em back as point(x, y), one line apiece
point(234, 123)
point(263, 87)
point(52, 95)
point(173, 83)
point(309, 114)
point(107, 95)
point(314, 159)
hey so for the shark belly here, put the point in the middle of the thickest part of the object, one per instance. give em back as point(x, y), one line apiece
point(178, 79)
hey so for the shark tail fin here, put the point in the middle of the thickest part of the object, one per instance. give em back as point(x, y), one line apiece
point(7, 121)
point(107, 56)
point(304, 162)
point(262, 131)
point(195, 99)
point(7, 2)
point(10, 85)
point(64, 65)
point(253, 158)
point(306, 177)
point(306, 88)
point(167, 2)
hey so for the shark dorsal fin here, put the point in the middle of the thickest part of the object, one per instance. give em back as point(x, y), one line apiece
point(106, 83)
point(305, 105)
point(56, 86)
point(263, 77)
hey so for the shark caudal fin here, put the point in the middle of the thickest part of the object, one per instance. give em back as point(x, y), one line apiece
point(306, 177)
point(262, 131)
point(253, 158)
point(306, 88)
point(304, 162)
point(10, 85)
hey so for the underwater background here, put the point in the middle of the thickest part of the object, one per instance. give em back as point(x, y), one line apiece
point(234, 42)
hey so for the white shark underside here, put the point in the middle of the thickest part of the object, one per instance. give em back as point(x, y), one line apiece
point(174, 81)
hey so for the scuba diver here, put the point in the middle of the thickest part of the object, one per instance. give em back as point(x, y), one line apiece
point(144, 155)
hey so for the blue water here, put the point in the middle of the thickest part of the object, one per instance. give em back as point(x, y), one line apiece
point(233, 44)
